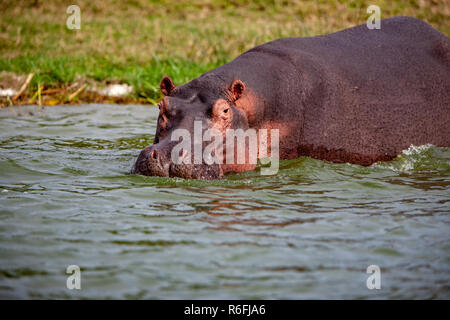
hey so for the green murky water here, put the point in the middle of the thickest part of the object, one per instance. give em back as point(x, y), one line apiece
point(66, 198)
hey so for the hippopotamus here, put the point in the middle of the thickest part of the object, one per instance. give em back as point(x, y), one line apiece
point(355, 96)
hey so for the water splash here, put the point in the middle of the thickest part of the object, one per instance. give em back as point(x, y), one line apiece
point(424, 158)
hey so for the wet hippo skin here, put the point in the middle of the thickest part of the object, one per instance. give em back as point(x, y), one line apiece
point(356, 96)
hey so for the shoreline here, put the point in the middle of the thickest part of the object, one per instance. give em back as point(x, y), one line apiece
point(52, 99)
point(15, 91)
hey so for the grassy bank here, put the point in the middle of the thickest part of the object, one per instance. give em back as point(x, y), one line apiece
point(136, 41)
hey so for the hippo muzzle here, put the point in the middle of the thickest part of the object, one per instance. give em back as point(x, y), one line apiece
point(155, 160)
point(152, 161)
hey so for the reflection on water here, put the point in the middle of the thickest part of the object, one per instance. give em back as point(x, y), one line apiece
point(309, 232)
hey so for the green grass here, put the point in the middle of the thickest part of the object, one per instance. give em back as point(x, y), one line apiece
point(144, 77)
point(138, 41)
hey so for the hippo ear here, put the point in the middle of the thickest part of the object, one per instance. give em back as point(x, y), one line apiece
point(166, 85)
point(237, 89)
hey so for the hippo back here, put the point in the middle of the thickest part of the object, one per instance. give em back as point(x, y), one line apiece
point(357, 95)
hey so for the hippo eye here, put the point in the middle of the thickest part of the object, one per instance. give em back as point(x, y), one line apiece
point(225, 111)
point(201, 98)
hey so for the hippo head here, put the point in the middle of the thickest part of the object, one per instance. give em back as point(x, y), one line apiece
point(206, 103)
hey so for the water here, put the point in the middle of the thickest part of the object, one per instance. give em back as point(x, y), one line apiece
point(311, 231)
